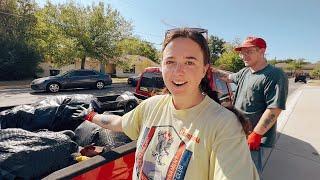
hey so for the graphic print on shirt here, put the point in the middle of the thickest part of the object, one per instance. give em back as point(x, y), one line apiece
point(164, 142)
point(163, 154)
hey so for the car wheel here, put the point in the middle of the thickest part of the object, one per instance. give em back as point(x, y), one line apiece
point(53, 87)
point(129, 106)
point(100, 85)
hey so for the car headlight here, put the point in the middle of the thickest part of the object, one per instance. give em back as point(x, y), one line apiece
point(37, 81)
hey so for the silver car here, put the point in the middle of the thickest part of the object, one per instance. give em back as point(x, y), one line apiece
point(72, 79)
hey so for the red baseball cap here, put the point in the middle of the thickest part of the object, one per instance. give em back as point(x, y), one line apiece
point(252, 42)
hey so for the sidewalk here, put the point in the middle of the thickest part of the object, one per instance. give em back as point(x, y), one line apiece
point(296, 153)
point(15, 84)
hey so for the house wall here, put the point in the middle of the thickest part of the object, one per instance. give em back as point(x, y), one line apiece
point(90, 64)
point(140, 64)
point(306, 69)
point(110, 69)
point(67, 68)
point(47, 66)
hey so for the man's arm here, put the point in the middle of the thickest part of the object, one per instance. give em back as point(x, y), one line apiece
point(111, 122)
point(267, 120)
point(223, 75)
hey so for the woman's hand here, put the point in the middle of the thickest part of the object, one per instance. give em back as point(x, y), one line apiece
point(84, 114)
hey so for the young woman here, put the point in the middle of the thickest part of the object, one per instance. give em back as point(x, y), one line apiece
point(184, 134)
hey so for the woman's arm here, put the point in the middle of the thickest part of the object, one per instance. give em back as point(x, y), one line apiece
point(111, 122)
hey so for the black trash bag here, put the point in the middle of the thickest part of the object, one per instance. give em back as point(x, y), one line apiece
point(89, 133)
point(53, 113)
point(32, 155)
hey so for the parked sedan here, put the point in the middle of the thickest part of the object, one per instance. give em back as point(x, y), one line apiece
point(72, 79)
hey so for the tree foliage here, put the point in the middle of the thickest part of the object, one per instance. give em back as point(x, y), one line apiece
point(296, 64)
point(273, 62)
point(230, 59)
point(69, 32)
point(18, 54)
point(315, 73)
point(216, 47)
point(135, 46)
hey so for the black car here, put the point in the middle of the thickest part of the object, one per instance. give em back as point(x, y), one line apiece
point(72, 79)
point(301, 77)
point(133, 80)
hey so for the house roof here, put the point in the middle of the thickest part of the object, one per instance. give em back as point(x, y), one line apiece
point(138, 59)
point(281, 65)
point(304, 67)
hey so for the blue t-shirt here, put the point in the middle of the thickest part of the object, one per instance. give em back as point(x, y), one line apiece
point(257, 91)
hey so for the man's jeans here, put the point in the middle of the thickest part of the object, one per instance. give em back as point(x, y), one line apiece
point(257, 157)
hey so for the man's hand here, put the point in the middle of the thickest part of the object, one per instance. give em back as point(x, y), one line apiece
point(84, 114)
point(254, 141)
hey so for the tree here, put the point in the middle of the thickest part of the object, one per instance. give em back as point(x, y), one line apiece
point(216, 47)
point(296, 64)
point(230, 59)
point(75, 32)
point(273, 62)
point(135, 46)
point(51, 40)
point(316, 72)
point(18, 54)
point(289, 60)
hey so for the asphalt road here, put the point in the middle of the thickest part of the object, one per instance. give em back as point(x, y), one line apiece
point(12, 97)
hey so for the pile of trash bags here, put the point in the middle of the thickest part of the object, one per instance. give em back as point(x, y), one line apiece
point(38, 139)
point(29, 155)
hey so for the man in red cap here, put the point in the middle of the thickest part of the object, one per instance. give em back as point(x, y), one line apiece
point(261, 95)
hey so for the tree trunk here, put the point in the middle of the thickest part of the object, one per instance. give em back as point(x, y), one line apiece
point(83, 61)
point(102, 67)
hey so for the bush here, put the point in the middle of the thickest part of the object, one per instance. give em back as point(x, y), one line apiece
point(18, 60)
point(315, 73)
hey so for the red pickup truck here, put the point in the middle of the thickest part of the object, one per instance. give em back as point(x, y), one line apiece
point(151, 83)
point(118, 163)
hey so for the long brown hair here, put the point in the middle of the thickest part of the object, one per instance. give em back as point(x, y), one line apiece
point(195, 35)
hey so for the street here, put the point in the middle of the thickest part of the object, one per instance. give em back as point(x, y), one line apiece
point(13, 97)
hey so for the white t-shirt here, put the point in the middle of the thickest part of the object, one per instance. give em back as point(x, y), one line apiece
point(202, 142)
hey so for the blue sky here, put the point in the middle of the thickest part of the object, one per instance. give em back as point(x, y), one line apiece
point(290, 27)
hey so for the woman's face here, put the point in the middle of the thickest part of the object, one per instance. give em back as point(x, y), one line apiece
point(183, 67)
